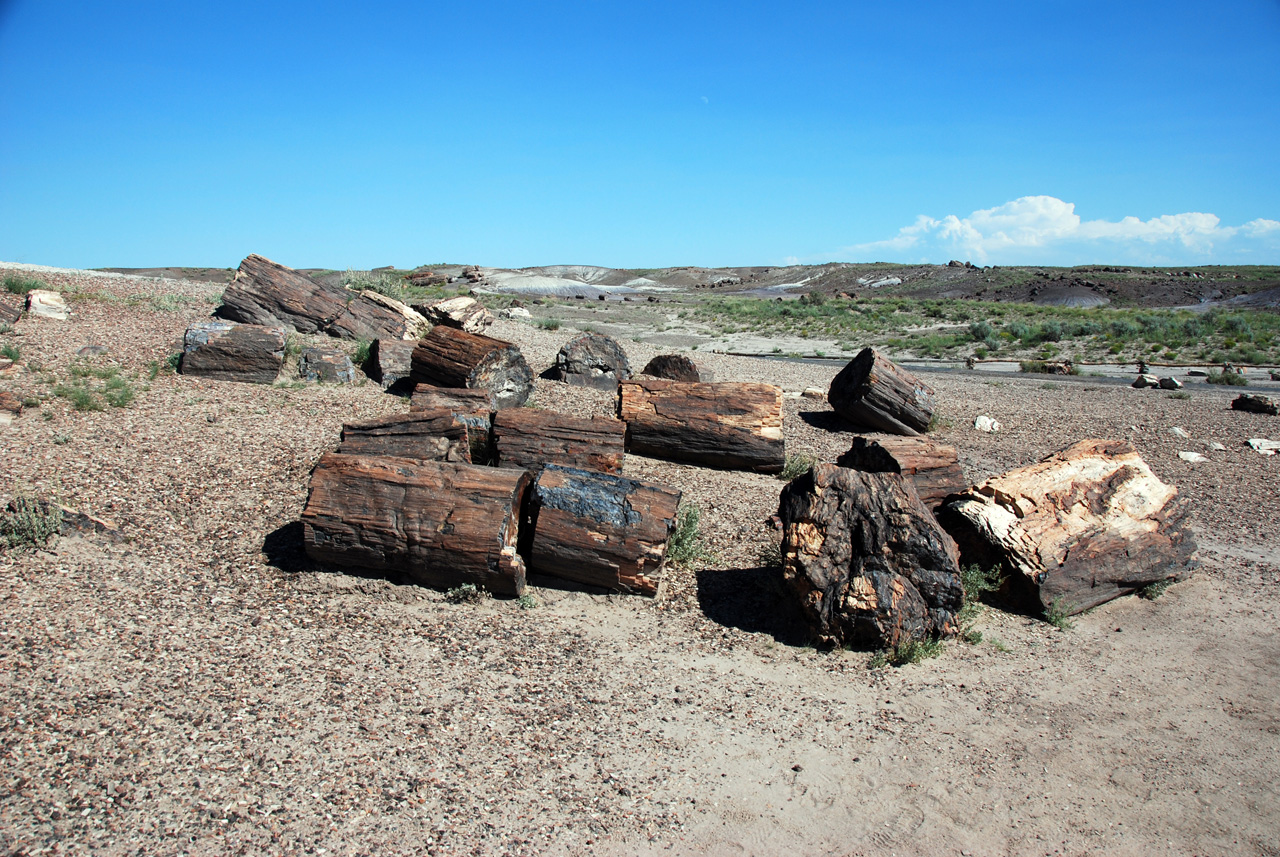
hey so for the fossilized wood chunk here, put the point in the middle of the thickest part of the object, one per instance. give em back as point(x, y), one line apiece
point(462, 312)
point(326, 364)
point(934, 468)
point(223, 351)
point(592, 360)
point(733, 426)
point(1255, 404)
point(438, 435)
point(473, 407)
point(531, 438)
point(676, 367)
point(47, 303)
point(866, 559)
point(1083, 526)
point(449, 357)
point(438, 523)
point(390, 361)
point(10, 313)
point(601, 529)
point(874, 391)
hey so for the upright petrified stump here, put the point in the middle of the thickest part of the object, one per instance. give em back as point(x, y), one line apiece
point(473, 407)
point(601, 529)
point(438, 435)
point(592, 360)
point(875, 392)
point(390, 361)
point(223, 351)
point(1085, 525)
point(934, 468)
point(676, 367)
point(867, 560)
point(733, 426)
point(530, 438)
point(449, 357)
point(437, 523)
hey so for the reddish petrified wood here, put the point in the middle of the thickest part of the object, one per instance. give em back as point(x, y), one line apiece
point(473, 407)
point(248, 353)
point(438, 435)
point(601, 529)
point(531, 438)
point(875, 392)
point(734, 426)
point(449, 357)
point(934, 468)
point(437, 523)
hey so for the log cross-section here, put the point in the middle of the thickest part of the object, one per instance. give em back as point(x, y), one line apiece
point(729, 425)
point(934, 468)
point(531, 438)
point(875, 392)
point(437, 523)
point(438, 435)
point(449, 357)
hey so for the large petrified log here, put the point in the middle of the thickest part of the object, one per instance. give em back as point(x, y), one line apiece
point(223, 351)
point(390, 361)
point(868, 561)
point(449, 357)
point(9, 313)
point(473, 407)
point(1083, 526)
point(373, 315)
point(734, 426)
point(1255, 404)
point(601, 529)
point(592, 360)
point(438, 523)
point(934, 468)
point(438, 435)
point(676, 367)
point(530, 438)
point(875, 392)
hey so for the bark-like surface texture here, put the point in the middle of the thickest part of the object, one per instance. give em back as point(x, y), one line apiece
point(867, 560)
point(600, 529)
point(592, 360)
point(934, 468)
point(473, 407)
point(676, 367)
point(731, 426)
point(248, 353)
point(875, 392)
point(10, 312)
point(437, 523)
point(438, 435)
point(449, 357)
point(1083, 526)
point(530, 438)
point(1255, 404)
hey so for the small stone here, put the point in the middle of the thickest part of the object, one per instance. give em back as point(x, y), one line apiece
point(1144, 381)
point(1192, 457)
point(515, 312)
point(1263, 446)
point(814, 393)
point(987, 424)
point(92, 351)
point(1217, 447)
point(1178, 431)
point(1170, 384)
point(1197, 373)
point(1255, 404)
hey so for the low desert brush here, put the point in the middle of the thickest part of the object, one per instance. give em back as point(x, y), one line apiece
point(28, 524)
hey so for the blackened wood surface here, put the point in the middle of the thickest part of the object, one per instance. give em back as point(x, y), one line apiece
point(449, 357)
point(934, 468)
point(531, 438)
point(592, 360)
point(875, 392)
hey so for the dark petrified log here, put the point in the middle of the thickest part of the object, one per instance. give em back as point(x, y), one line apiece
point(592, 360)
point(867, 560)
point(934, 468)
point(531, 438)
point(390, 361)
point(268, 293)
point(10, 313)
point(473, 407)
point(438, 435)
point(326, 364)
point(676, 367)
point(1255, 404)
point(1083, 526)
point(601, 529)
point(233, 352)
point(875, 392)
point(734, 426)
point(449, 357)
point(437, 523)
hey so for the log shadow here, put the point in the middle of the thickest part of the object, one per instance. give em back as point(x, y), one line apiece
point(827, 421)
point(753, 600)
point(283, 549)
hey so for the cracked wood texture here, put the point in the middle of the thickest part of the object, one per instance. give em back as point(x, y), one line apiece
point(247, 353)
point(450, 357)
point(473, 407)
point(875, 392)
point(531, 438)
point(390, 361)
point(866, 559)
point(728, 425)
point(438, 435)
point(1083, 526)
point(600, 529)
point(934, 468)
point(437, 523)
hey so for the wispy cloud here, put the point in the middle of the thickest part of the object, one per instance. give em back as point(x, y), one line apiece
point(1046, 230)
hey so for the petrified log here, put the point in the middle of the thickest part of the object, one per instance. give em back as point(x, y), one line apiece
point(934, 468)
point(47, 303)
point(873, 391)
point(438, 523)
point(326, 364)
point(868, 561)
point(473, 407)
point(438, 435)
point(1083, 526)
point(449, 357)
point(373, 315)
point(390, 361)
point(9, 313)
point(1255, 404)
point(462, 312)
point(676, 367)
point(592, 360)
point(249, 353)
point(733, 426)
point(601, 529)
point(530, 438)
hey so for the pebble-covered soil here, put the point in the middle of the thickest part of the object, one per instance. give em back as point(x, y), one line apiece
point(202, 688)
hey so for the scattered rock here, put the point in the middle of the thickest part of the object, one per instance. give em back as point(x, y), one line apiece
point(1144, 381)
point(248, 353)
point(676, 367)
point(1170, 384)
point(1275, 376)
point(92, 351)
point(1178, 431)
point(515, 312)
point(326, 364)
point(462, 312)
point(1217, 447)
point(9, 313)
point(816, 393)
point(10, 408)
point(592, 360)
point(955, 263)
point(987, 424)
point(1197, 373)
point(1256, 404)
point(1264, 446)
point(48, 304)
point(1192, 457)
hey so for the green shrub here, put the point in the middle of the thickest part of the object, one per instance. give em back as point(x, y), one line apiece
point(980, 331)
point(1057, 614)
point(976, 582)
point(1035, 366)
point(549, 323)
point(361, 354)
point(1231, 379)
point(80, 397)
point(685, 546)
point(907, 652)
point(11, 352)
point(17, 284)
point(467, 593)
point(29, 524)
point(1152, 591)
point(797, 464)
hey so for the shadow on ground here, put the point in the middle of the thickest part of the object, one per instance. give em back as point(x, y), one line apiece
point(752, 600)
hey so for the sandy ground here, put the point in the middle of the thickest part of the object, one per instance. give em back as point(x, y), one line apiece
point(201, 688)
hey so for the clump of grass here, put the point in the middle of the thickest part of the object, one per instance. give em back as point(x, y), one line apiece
point(168, 366)
point(770, 555)
point(976, 582)
point(907, 652)
point(17, 284)
point(11, 352)
point(1231, 379)
point(80, 397)
point(549, 323)
point(293, 345)
point(118, 392)
point(685, 546)
point(84, 395)
point(1152, 591)
point(391, 285)
point(29, 524)
point(1057, 614)
point(527, 602)
point(797, 464)
point(467, 593)
point(361, 354)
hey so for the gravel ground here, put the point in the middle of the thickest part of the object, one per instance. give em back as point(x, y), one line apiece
point(201, 688)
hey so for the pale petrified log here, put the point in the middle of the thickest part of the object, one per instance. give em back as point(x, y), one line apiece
point(383, 312)
point(676, 367)
point(934, 468)
point(47, 303)
point(592, 360)
point(248, 353)
point(438, 435)
point(390, 361)
point(449, 357)
point(462, 312)
point(267, 293)
point(473, 407)
point(867, 560)
point(1083, 526)
point(531, 438)
point(601, 529)
point(875, 392)
point(733, 426)
point(437, 523)
point(1255, 404)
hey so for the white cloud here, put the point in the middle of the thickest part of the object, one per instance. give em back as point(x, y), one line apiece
point(1046, 230)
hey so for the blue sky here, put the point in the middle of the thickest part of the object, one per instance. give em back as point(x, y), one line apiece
point(639, 135)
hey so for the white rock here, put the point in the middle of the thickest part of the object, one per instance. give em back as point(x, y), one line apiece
point(515, 312)
point(1144, 381)
point(48, 304)
point(1264, 446)
point(985, 423)
point(1178, 431)
point(814, 393)
point(1193, 457)
point(1214, 445)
